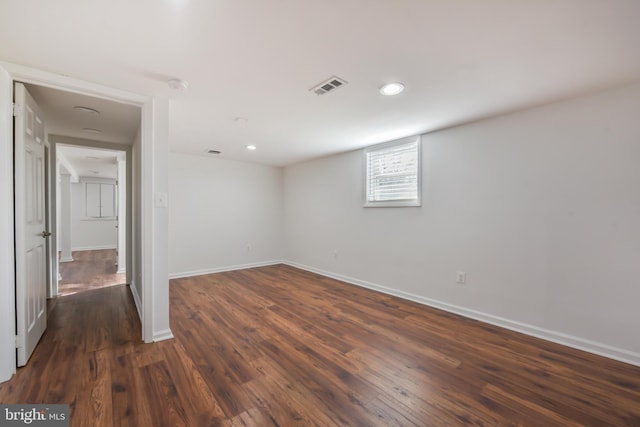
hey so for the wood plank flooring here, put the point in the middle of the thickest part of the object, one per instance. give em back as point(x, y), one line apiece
point(89, 270)
point(277, 346)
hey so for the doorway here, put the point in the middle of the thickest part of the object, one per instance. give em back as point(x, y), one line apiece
point(149, 165)
point(90, 205)
point(92, 210)
point(92, 142)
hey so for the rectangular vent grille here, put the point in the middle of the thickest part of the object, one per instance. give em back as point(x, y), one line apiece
point(328, 85)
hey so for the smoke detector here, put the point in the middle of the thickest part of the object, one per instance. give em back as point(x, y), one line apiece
point(328, 85)
point(178, 84)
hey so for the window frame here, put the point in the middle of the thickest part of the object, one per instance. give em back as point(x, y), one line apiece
point(85, 216)
point(417, 202)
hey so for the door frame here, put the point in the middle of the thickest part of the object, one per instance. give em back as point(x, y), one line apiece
point(123, 153)
point(153, 172)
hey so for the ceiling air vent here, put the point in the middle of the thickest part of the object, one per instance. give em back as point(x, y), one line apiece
point(328, 85)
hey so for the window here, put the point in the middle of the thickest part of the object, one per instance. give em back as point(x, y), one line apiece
point(100, 200)
point(393, 173)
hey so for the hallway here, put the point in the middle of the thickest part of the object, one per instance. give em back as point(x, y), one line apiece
point(89, 270)
point(90, 341)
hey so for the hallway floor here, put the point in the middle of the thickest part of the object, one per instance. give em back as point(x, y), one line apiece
point(89, 270)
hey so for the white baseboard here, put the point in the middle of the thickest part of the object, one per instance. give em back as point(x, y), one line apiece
point(69, 259)
point(92, 248)
point(120, 271)
point(553, 336)
point(136, 299)
point(222, 269)
point(162, 335)
point(159, 335)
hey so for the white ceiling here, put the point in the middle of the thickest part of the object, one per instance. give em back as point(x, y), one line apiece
point(460, 60)
point(88, 162)
point(117, 123)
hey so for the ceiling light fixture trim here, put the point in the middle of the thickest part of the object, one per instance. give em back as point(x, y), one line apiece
point(91, 130)
point(391, 89)
point(88, 110)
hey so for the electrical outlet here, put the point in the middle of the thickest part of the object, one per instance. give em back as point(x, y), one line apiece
point(461, 277)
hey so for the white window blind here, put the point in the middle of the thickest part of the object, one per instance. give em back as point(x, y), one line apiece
point(393, 173)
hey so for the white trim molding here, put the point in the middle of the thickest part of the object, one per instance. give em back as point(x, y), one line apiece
point(136, 298)
point(92, 248)
point(162, 335)
point(600, 349)
point(7, 275)
point(223, 269)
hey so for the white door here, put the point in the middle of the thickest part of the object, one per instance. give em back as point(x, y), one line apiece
point(31, 234)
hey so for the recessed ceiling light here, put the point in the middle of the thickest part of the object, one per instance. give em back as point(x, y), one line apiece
point(93, 157)
point(241, 120)
point(95, 172)
point(87, 110)
point(178, 84)
point(251, 147)
point(91, 130)
point(213, 151)
point(391, 88)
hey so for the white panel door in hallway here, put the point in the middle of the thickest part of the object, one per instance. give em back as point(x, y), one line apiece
point(31, 233)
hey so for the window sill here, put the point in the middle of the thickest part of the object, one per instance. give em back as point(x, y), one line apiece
point(400, 204)
point(111, 218)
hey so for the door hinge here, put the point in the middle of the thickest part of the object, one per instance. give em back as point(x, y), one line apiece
point(19, 341)
point(17, 110)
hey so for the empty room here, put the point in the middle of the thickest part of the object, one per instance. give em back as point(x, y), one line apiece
point(361, 213)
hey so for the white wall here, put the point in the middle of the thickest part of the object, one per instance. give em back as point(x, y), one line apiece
point(155, 239)
point(65, 215)
point(123, 208)
point(7, 259)
point(94, 233)
point(540, 208)
point(222, 214)
point(135, 261)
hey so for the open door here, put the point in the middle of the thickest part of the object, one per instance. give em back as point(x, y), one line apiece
point(30, 222)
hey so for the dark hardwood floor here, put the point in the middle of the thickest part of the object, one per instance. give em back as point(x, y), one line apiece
point(277, 346)
point(89, 270)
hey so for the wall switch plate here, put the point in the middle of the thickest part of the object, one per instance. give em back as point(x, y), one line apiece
point(461, 277)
